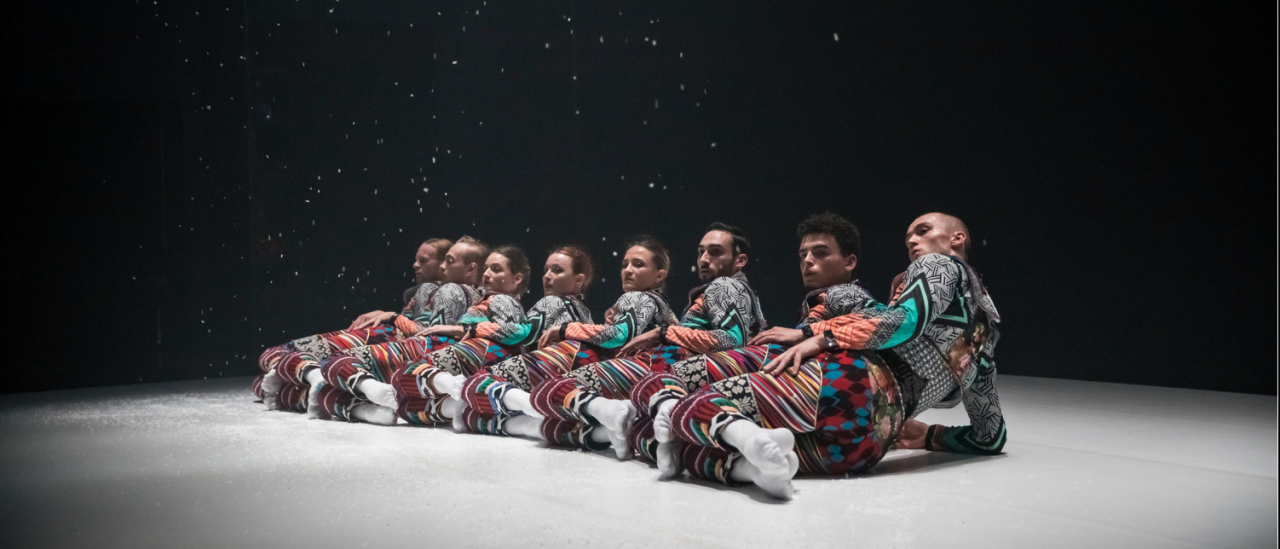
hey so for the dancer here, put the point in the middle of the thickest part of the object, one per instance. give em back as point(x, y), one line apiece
point(490, 403)
point(829, 250)
point(723, 313)
point(426, 274)
point(299, 362)
point(568, 272)
point(506, 276)
point(832, 404)
point(639, 308)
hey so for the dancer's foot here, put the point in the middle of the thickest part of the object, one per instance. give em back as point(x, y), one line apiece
point(372, 413)
point(451, 407)
point(524, 426)
point(379, 393)
point(766, 450)
point(662, 422)
point(449, 384)
point(314, 410)
point(669, 465)
point(271, 385)
point(777, 484)
point(459, 422)
point(616, 416)
point(517, 400)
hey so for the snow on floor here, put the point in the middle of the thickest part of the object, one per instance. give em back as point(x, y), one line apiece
point(198, 464)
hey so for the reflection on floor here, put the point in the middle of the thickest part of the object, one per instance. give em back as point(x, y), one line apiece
point(198, 464)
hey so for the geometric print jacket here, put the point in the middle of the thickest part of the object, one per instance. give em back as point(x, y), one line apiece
point(722, 315)
point(551, 310)
point(938, 336)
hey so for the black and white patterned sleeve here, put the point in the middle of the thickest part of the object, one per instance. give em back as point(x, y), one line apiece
point(986, 432)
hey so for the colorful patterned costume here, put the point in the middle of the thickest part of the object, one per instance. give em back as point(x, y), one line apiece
point(499, 316)
point(720, 318)
point(700, 372)
point(430, 303)
point(585, 344)
point(847, 406)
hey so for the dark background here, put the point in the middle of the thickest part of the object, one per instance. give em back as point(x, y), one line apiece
point(191, 181)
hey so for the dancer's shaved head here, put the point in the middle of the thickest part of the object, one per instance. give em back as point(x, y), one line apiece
point(938, 233)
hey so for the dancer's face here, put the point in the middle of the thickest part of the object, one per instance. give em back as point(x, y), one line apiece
point(639, 273)
point(498, 278)
point(426, 265)
point(559, 278)
point(716, 257)
point(455, 267)
point(932, 234)
point(821, 264)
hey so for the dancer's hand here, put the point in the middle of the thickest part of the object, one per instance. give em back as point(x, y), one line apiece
point(912, 435)
point(368, 320)
point(791, 359)
point(642, 342)
point(445, 331)
point(778, 334)
point(550, 336)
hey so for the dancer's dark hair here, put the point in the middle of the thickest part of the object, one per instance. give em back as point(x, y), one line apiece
point(740, 243)
point(841, 229)
point(441, 246)
point(517, 262)
point(661, 259)
point(581, 263)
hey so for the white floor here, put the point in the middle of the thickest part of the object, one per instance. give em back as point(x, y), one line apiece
point(198, 464)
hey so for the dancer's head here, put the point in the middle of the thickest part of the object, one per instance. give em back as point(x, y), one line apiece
point(568, 271)
point(464, 262)
point(645, 265)
point(426, 264)
point(506, 271)
point(937, 233)
point(829, 249)
point(722, 252)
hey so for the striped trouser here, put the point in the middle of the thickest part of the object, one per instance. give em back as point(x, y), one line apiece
point(565, 398)
point(291, 397)
point(292, 360)
point(843, 407)
point(420, 399)
point(483, 391)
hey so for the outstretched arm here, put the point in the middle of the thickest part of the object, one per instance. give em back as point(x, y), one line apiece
point(931, 283)
point(726, 320)
point(632, 312)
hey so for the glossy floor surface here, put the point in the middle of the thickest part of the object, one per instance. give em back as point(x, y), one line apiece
point(198, 464)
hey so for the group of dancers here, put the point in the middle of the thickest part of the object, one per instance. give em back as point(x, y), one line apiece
point(714, 393)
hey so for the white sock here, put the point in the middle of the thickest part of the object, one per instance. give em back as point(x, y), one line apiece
point(449, 384)
point(766, 450)
point(379, 393)
point(316, 381)
point(372, 413)
point(459, 426)
point(518, 401)
point(668, 456)
point(451, 407)
point(271, 385)
point(777, 485)
point(662, 422)
point(524, 426)
point(616, 416)
point(600, 435)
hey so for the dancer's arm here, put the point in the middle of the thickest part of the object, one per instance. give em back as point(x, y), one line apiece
point(632, 312)
point(931, 283)
point(724, 324)
point(526, 329)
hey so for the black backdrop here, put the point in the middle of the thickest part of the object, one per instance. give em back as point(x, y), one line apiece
point(194, 180)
